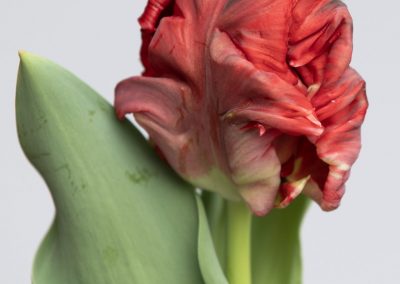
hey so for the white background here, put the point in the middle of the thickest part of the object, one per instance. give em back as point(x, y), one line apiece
point(99, 41)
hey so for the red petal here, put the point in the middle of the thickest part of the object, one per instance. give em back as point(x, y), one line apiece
point(251, 97)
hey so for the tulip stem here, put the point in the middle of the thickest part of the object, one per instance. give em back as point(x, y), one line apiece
point(238, 243)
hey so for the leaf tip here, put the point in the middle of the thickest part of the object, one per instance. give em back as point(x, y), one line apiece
point(21, 53)
point(24, 55)
point(27, 57)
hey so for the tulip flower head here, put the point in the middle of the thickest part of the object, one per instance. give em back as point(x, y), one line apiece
point(254, 100)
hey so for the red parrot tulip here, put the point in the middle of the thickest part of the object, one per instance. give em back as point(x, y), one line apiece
point(251, 99)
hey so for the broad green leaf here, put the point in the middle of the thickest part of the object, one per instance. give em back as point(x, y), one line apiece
point(209, 264)
point(121, 215)
point(276, 252)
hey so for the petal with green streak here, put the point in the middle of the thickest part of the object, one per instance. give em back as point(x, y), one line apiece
point(121, 215)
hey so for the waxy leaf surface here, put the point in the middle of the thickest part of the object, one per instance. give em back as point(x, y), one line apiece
point(122, 216)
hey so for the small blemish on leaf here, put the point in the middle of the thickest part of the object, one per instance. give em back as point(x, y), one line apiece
point(37, 124)
point(140, 175)
point(91, 115)
point(37, 156)
point(104, 108)
point(110, 255)
point(64, 167)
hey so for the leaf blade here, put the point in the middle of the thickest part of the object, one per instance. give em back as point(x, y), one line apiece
point(208, 260)
point(102, 176)
point(276, 250)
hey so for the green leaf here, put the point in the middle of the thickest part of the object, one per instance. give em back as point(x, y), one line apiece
point(121, 215)
point(276, 252)
point(216, 210)
point(209, 263)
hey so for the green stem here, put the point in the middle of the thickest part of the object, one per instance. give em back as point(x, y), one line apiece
point(238, 243)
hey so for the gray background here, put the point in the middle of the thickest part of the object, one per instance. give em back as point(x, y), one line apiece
point(99, 41)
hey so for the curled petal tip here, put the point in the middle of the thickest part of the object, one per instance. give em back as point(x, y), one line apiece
point(262, 130)
point(255, 125)
point(260, 213)
point(328, 206)
point(259, 198)
point(294, 63)
point(260, 210)
point(312, 90)
point(311, 117)
point(291, 190)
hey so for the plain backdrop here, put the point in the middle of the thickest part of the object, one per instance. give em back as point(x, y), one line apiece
point(99, 41)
